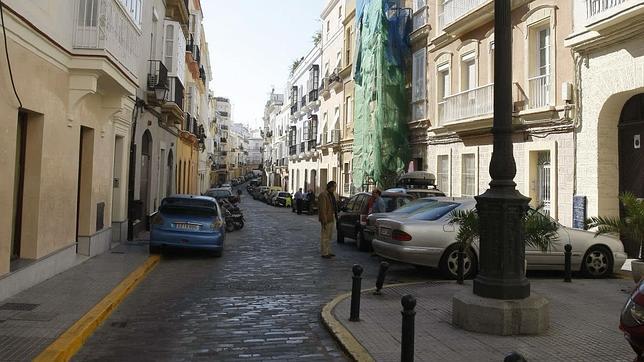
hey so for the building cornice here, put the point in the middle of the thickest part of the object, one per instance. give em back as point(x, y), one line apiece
point(327, 9)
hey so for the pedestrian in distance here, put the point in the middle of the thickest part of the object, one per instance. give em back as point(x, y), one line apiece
point(299, 200)
point(327, 214)
point(379, 205)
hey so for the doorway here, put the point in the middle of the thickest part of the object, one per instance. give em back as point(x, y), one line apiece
point(631, 156)
point(146, 158)
point(84, 192)
point(19, 184)
point(170, 164)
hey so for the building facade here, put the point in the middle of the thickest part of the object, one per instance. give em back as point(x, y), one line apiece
point(460, 85)
point(345, 179)
point(608, 43)
point(223, 115)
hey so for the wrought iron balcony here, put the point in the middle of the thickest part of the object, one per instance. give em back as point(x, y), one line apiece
point(157, 75)
point(595, 7)
point(104, 25)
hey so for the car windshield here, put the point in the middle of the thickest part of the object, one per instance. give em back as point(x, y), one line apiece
point(414, 206)
point(192, 207)
point(218, 193)
point(434, 211)
point(283, 194)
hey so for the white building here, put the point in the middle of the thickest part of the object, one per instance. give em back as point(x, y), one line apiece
point(608, 43)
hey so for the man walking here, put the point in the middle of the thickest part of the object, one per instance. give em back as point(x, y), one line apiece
point(299, 200)
point(327, 214)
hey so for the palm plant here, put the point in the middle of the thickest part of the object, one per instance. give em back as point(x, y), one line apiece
point(630, 226)
point(540, 232)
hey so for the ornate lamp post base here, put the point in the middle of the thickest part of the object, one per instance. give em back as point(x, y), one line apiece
point(501, 317)
point(502, 267)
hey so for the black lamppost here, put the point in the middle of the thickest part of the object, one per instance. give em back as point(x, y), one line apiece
point(502, 208)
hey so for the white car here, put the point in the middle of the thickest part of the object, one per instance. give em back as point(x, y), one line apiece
point(227, 186)
point(428, 239)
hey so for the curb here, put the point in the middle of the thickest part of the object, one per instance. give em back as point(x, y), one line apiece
point(347, 341)
point(68, 343)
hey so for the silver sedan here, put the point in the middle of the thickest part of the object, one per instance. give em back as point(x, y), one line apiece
point(427, 238)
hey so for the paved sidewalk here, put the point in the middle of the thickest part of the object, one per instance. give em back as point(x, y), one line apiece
point(584, 318)
point(31, 320)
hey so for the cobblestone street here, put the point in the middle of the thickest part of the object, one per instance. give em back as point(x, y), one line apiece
point(260, 300)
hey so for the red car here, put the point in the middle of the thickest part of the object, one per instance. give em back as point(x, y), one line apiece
point(632, 321)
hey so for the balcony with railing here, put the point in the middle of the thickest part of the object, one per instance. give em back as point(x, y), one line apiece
point(473, 103)
point(335, 136)
point(596, 7)
point(540, 91)
point(600, 20)
point(178, 10)
point(174, 100)
point(157, 84)
point(105, 26)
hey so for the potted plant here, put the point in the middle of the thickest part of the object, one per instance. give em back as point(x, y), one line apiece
point(630, 226)
point(540, 232)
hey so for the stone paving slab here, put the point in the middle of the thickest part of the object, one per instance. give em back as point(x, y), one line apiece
point(31, 320)
point(584, 318)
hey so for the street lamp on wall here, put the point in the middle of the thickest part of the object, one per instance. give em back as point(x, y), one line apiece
point(161, 92)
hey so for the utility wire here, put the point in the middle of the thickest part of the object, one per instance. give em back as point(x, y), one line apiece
point(6, 52)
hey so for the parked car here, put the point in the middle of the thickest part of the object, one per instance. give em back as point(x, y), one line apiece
point(427, 238)
point(222, 193)
point(188, 222)
point(412, 207)
point(258, 192)
point(281, 197)
point(631, 321)
point(227, 186)
point(352, 217)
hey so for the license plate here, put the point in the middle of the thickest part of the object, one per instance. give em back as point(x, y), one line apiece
point(186, 226)
point(385, 232)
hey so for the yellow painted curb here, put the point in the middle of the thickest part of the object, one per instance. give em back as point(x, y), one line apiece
point(348, 342)
point(68, 343)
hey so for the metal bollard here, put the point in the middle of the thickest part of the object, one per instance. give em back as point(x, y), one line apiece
point(408, 315)
point(459, 265)
point(514, 357)
point(567, 263)
point(381, 277)
point(355, 293)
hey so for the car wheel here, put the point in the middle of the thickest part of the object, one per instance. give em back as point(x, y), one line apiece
point(361, 243)
point(597, 262)
point(155, 249)
point(340, 236)
point(449, 263)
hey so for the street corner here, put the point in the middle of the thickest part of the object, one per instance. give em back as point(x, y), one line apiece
point(349, 343)
point(68, 343)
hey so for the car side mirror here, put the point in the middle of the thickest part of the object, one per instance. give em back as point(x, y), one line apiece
point(449, 228)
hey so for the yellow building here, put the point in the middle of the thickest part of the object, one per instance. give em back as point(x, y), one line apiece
point(65, 133)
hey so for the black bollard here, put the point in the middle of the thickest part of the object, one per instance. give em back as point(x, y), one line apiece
point(407, 342)
point(514, 357)
point(459, 265)
point(355, 293)
point(567, 263)
point(381, 277)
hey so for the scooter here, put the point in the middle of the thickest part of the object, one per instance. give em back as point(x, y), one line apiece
point(233, 221)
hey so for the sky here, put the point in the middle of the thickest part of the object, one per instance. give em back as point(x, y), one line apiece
point(252, 44)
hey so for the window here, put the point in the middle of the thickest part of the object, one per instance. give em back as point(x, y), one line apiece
point(444, 88)
point(419, 86)
point(348, 107)
point(169, 47)
point(543, 181)
point(442, 173)
point(305, 131)
point(347, 46)
point(134, 9)
point(88, 13)
point(468, 175)
point(492, 62)
point(468, 72)
point(540, 62)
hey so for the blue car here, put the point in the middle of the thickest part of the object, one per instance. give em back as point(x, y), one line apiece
point(188, 222)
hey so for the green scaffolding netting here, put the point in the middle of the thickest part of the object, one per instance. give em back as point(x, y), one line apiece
point(380, 149)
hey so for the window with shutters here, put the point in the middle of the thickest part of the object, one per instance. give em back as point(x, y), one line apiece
point(468, 174)
point(442, 173)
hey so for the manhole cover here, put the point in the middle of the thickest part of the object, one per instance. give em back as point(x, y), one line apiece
point(18, 306)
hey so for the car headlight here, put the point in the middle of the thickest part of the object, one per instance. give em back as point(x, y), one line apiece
point(633, 314)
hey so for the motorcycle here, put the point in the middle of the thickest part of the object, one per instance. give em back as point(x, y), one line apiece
point(234, 221)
